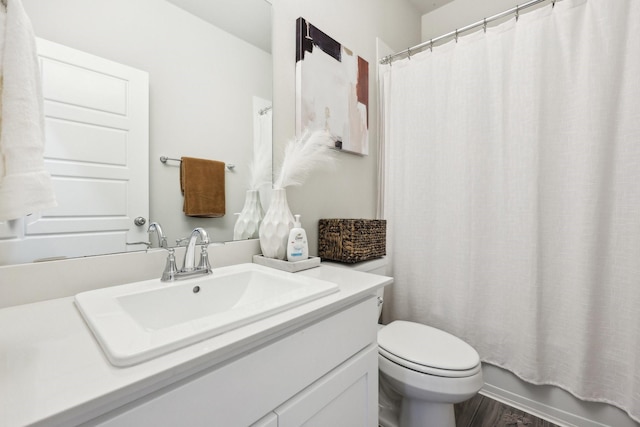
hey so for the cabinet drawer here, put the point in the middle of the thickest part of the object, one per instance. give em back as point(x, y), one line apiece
point(242, 391)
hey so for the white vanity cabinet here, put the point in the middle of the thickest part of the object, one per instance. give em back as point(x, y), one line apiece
point(322, 372)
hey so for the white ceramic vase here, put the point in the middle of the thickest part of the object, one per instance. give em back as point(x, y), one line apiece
point(248, 222)
point(274, 230)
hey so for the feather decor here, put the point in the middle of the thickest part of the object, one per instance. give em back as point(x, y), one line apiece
point(301, 156)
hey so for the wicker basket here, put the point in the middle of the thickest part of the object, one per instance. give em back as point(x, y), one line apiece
point(352, 240)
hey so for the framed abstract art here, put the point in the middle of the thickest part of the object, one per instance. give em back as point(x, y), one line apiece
point(332, 89)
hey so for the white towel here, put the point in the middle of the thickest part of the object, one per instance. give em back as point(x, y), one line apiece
point(25, 185)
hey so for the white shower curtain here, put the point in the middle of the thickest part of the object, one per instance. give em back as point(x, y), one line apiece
point(513, 195)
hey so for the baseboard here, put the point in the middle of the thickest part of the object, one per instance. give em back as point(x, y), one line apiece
point(550, 403)
point(537, 409)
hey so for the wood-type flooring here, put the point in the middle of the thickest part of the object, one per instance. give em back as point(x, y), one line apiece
point(481, 411)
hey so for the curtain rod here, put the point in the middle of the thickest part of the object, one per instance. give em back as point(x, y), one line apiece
point(483, 23)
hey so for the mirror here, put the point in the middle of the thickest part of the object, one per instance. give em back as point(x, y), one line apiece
point(210, 74)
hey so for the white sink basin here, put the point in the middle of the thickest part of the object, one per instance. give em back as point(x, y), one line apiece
point(139, 321)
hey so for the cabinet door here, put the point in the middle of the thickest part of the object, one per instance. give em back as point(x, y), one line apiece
point(347, 396)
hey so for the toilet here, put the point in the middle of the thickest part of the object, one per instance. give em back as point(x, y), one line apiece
point(423, 371)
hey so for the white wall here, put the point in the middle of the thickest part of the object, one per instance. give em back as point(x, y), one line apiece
point(547, 401)
point(350, 191)
point(202, 84)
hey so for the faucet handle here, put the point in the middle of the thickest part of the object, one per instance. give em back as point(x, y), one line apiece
point(170, 269)
point(182, 241)
point(147, 244)
point(204, 260)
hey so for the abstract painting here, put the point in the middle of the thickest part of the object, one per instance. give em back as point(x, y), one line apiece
point(332, 89)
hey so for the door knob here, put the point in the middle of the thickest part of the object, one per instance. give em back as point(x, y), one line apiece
point(139, 221)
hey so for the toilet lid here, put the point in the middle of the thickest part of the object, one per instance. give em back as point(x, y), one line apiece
point(425, 346)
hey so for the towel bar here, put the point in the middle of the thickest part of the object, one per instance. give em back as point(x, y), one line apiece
point(164, 159)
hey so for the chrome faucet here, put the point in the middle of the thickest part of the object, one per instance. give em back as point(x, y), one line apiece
point(190, 254)
point(189, 268)
point(162, 239)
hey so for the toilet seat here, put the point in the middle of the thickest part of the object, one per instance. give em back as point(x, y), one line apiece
point(427, 350)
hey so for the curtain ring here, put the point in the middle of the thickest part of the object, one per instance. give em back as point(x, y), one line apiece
point(431, 45)
point(456, 35)
point(409, 52)
point(553, 4)
point(484, 24)
point(517, 12)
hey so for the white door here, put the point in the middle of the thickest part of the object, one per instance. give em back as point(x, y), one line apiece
point(97, 144)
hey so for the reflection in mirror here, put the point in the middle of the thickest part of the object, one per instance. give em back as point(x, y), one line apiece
point(210, 74)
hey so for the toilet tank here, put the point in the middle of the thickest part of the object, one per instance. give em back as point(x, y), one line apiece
point(374, 266)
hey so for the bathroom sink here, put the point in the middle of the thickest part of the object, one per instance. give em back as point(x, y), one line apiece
point(142, 320)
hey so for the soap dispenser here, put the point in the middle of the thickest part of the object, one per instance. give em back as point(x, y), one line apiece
point(297, 246)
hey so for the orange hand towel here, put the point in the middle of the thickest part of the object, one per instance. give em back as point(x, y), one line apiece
point(202, 184)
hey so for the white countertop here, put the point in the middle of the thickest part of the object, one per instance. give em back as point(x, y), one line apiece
point(53, 372)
